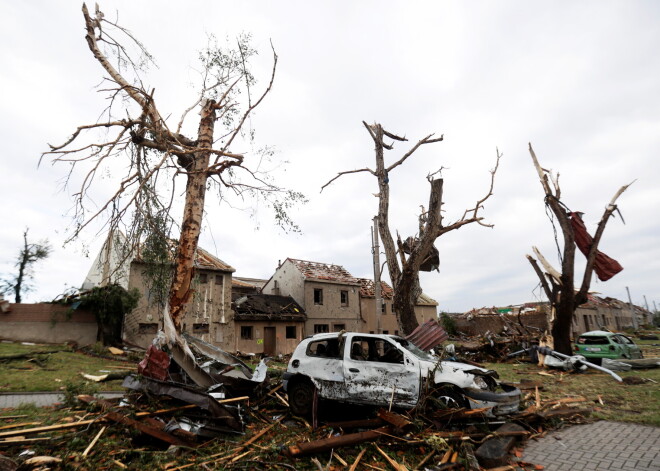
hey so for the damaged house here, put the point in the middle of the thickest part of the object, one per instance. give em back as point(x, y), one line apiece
point(209, 315)
point(335, 300)
point(267, 323)
point(328, 293)
point(425, 309)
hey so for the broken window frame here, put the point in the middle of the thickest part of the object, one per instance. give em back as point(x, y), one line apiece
point(318, 296)
point(343, 297)
point(321, 328)
point(247, 332)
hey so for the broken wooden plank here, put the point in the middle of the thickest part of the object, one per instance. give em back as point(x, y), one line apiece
point(327, 444)
point(96, 439)
point(357, 460)
point(393, 463)
point(49, 428)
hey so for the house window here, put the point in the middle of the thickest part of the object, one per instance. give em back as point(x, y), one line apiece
point(321, 328)
point(203, 278)
point(291, 331)
point(219, 279)
point(246, 332)
point(344, 298)
point(200, 328)
point(318, 296)
point(383, 308)
point(338, 327)
point(147, 328)
point(396, 332)
point(386, 332)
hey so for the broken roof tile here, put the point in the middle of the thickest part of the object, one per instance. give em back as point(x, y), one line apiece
point(324, 272)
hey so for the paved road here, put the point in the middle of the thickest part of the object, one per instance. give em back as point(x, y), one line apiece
point(41, 399)
point(598, 446)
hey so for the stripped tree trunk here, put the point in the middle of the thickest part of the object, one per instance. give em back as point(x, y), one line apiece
point(193, 211)
point(560, 287)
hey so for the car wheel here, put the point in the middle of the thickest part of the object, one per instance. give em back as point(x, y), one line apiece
point(450, 397)
point(301, 397)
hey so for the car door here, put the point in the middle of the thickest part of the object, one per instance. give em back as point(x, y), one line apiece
point(378, 372)
point(629, 348)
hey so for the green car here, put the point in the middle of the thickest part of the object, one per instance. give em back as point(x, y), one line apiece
point(599, 344)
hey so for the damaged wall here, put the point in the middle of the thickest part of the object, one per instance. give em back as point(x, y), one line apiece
point(472, 324)
point(47, 323)
point(280, 338)
point(208, 316)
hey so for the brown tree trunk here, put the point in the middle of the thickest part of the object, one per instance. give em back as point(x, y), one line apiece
point(181, 291)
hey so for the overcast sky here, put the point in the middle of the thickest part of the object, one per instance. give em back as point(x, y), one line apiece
point(579, 80)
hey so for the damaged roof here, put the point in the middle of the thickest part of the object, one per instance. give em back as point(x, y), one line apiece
point(368, 286)
point(210, 262)
point(367, 291)
point(324, 272)
point(258, 307)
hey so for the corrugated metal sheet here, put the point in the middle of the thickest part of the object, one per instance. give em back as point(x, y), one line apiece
point(428, 335)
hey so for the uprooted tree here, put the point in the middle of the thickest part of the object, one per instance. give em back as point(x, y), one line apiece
point(157, 155)
point(406, 258)
point(559, 287)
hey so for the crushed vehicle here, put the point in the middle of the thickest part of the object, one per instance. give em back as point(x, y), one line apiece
point(384, 370)
point(599, 344)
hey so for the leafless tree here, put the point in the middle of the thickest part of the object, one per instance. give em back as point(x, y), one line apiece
point(405, 258)
point(559, 287)
point(157, 154)
point(30, 253)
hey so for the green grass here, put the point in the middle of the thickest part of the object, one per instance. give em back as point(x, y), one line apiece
point(52, 371)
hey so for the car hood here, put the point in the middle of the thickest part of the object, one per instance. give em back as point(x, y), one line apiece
point(454, 372)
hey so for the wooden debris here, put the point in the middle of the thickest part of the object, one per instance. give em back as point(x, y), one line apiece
point(49, 428)
point(23, 424)
point(328, 444)
point(141, 426)
point(393, 463)
point(357, 460)
point(96, 439)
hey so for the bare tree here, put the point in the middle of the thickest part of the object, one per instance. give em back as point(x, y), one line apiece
point(157, 154)
point(30, 254)
point(559, 287)
point(405, 258)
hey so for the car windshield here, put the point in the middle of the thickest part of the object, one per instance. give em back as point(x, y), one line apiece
point(414, 349)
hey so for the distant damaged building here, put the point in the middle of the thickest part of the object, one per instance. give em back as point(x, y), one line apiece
point(328, 293)
point(426, 308)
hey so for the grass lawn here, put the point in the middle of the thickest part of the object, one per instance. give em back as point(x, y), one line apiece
point(53, 371)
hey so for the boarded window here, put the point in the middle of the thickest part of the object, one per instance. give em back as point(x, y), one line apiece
point(147, 328)
point(203, 278)
point(291, 331)
point(344, 298)
point(200, 328)
point(318, 296)
point(246, 332)
point(321, 328)
point(219, 279)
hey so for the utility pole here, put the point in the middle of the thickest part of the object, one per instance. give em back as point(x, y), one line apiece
point(632, 310)
point(375, 250)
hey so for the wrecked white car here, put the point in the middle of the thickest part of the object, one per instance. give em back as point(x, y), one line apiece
point(380, 370)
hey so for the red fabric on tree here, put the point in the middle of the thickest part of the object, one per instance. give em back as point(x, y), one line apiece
point(605, 267)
